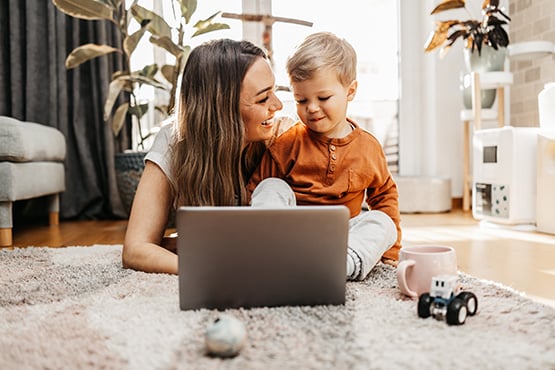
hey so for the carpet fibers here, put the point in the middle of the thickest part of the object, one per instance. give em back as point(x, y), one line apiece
point(78, 308)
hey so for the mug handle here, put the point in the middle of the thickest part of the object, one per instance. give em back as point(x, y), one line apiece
point(402, 267)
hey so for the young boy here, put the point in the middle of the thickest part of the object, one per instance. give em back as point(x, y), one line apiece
point(327, 159)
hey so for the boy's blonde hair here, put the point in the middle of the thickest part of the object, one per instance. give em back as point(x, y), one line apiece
point(323, 50)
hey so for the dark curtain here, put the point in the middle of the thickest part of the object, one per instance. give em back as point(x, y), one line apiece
point(35, 86)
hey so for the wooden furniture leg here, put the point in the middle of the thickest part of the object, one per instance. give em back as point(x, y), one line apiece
point(501, 106)
point(476, 101)
point(6, 224)
point(466, 166)
point(6, 237)
point(54, 209)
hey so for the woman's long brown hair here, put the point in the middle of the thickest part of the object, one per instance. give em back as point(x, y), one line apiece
point(210, 163)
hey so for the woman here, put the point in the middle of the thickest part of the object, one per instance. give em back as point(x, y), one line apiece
point(225, 118)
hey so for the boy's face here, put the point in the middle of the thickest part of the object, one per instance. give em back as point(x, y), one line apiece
point(322, 103)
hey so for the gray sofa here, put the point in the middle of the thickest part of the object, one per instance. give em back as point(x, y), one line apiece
point(31, 165)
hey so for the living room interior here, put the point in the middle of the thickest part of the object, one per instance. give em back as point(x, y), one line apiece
point(412, 101)
point(429, 134)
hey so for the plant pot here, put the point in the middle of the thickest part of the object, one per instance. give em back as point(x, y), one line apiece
point(488, 97)
point(129, 168)
point(488, 61)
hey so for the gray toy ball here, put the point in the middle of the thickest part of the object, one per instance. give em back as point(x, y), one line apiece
point(225, 336)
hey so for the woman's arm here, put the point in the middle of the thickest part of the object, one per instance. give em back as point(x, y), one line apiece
point(147, 223)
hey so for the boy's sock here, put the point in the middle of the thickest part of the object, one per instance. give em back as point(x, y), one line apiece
point(354, 264)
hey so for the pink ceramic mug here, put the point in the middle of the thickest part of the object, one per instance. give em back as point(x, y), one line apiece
point(418, 264)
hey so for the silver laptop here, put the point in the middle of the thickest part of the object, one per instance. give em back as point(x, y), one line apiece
point(232, 257)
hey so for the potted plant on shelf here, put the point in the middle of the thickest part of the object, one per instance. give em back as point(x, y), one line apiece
point(173, 40)
point(486, 41)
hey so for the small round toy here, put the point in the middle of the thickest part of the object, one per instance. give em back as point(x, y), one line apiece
point(225, 336)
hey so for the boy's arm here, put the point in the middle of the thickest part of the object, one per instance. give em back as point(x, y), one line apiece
point(386, 199)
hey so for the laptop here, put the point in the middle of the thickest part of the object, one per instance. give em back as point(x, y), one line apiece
point(231, 257)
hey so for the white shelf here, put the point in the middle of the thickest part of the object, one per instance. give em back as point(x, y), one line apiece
point(487, 115)
point(490, 80)
point(530, 50)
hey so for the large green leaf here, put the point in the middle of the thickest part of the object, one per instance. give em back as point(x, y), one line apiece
point(167, 44)
point(131, 41)
point(157, 25)
point(87, 52)
point(200, 23)
point(206, 25)
point(188, 8)
point(168, 71)
point(86, 9)
point(211, 27)
point(128, 82)
point(119, 118)
point(149, 71)
point(147, 81)
point(184, 58)
point(138, 110)
point(113, 92)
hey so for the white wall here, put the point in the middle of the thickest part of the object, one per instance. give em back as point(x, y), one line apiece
point(431, 133)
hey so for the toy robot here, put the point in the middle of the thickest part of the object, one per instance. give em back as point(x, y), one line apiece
point(444, 301)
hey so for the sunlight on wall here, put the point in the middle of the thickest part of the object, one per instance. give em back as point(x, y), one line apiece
point(369, 25)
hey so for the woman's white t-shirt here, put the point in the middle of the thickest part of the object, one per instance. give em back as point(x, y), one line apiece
point(159, 153)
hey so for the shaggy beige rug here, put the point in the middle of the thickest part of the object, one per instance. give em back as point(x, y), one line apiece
point(77, 308)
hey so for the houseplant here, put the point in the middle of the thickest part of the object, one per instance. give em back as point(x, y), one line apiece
point(173, 40)
point(126, 83)
point(485, 41)
point(487, 31)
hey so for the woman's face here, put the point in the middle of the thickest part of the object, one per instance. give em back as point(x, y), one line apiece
point(258, 101)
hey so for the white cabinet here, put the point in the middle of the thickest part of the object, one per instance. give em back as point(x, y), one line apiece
point(479, 81)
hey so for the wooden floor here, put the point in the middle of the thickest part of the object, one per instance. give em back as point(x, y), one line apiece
point(523, 260)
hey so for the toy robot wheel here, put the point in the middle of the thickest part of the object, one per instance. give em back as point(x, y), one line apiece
point(456, 312)
point(424, 305)
point(471, 302)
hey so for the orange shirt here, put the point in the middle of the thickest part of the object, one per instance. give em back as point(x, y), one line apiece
point(324, 171)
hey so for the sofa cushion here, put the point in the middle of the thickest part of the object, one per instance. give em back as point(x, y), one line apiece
point(25, 141)
point(29, 180)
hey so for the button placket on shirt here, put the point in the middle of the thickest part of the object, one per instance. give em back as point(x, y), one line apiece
point(332, 164)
